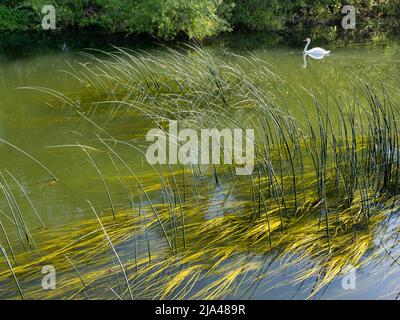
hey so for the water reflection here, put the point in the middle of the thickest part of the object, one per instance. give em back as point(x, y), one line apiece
point(313, 56)
point(28, 122)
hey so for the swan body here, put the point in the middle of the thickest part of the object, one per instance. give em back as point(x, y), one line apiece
point(316, 53)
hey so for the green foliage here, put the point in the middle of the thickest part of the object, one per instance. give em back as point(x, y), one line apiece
point(196, 18)
point(276, 15)
point(163, 18)
point(14, 17)
point(258, 15)
point(199, 19)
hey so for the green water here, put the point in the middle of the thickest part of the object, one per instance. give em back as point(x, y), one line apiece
point(47, 132)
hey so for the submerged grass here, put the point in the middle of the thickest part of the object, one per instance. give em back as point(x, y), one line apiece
point(325, 182)
point(222, 255)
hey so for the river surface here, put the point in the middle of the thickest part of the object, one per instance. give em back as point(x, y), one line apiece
point(47, 133)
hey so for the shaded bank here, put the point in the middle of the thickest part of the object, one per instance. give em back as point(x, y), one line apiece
point(23, 44)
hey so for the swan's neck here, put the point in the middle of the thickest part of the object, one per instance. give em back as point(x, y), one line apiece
point(306, 47)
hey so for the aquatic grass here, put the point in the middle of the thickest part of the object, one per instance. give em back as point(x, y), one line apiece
point(8, 241)
point(107, 191)
point(27, 198)
point(12, 210)
point(115, 252)
point(226, 237)
point(76, 270)
point(322, 186)
point(142, 189)
point(4, 253)
point(30, 157)
point(17, 213)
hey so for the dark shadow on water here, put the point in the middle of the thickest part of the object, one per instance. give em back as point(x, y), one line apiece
point(17, 45)
point(21, 45)
point(333, 35)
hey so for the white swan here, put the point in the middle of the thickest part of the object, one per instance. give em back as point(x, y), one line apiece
point(316, 53)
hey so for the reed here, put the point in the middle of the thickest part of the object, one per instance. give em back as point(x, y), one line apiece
point(324, 183)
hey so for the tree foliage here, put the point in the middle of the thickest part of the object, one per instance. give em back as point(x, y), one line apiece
point(168, 19)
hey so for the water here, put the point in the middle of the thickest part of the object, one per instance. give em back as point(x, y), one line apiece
point(48, 132)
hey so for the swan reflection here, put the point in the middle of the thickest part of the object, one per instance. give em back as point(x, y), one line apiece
point(313, 56)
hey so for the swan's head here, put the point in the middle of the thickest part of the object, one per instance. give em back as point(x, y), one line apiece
point(307, 39)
